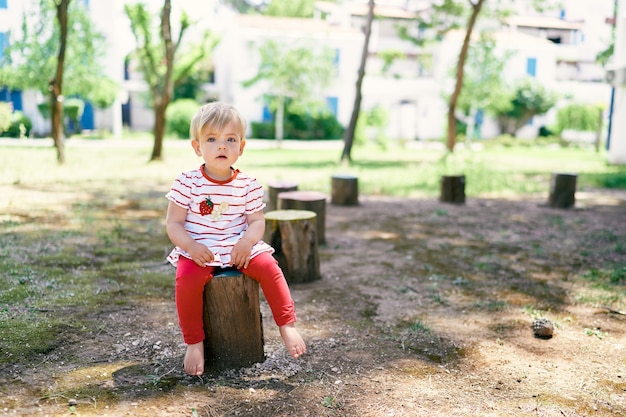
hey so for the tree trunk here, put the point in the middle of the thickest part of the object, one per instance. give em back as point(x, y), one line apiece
point(562, 190)
point(163, 92)
point(314, 201)
point(292, 233)
point(344, 190)
point(56, 84)
point(349, 135)
point(232, 322)
point(459, 75)
point(280, 120)
point(452, 189)
point(159, 132)
point(277, 187)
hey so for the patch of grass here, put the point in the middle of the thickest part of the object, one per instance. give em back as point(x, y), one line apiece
point(491, 305)
point(607, 287)
point(412, 171)
point(27, 334)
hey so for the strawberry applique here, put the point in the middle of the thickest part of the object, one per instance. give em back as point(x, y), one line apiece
point(206, 206)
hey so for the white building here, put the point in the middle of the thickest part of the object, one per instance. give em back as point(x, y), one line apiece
point(559, 50)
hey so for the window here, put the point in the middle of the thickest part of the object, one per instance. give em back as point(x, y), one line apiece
point(531, 66)
point(336, 61)
point(267, 114)
point(333, 103)
point(4, 42)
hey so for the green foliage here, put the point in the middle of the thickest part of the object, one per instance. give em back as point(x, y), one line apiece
point(290, 8)
point(388, 56)
point(190, 86)
point(73, 109)
point(6, 112)
point(433, 23)
point(179, 115)
point(375, 119)
point(302, 125)
point(577, 116)
point(30, 60)
point(528, 98)
point(483, 86)
point(299, 72)
point(20, 126)
point(322, 125)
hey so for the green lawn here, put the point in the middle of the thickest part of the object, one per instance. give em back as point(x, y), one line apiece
point(412, 171)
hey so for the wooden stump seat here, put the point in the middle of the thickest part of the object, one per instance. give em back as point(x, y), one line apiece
point(452, 189)
point(275, 188)
point(344, 190)
point(314, 201)
point(562, 190)
point(292, 234)
point(232, 321)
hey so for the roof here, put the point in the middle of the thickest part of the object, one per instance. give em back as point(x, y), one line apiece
point(291, 24)
point(361, 9)
point(544, 22)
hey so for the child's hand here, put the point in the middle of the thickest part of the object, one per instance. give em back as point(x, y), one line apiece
point(240, 255)
point(200, 254)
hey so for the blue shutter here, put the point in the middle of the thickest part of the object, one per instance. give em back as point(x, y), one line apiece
point(333, 104)
point(531, 66)
point(267, 114)
point(4, 42)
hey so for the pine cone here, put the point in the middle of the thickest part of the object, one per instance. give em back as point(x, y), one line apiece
point(543, 328)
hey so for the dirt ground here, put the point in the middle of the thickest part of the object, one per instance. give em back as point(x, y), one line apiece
point(423, 309)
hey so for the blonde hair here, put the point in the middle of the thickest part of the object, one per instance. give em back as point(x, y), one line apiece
point(215, 116)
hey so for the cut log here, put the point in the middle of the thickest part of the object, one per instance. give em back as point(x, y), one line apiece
point(292, 233)
point(452, 189)
point(562, 190)
point(307, 200)
point(345, 190)
point(276, 187)
point(232, 321)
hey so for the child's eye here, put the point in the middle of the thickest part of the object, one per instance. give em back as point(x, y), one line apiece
point(210, 139)
point(231, 139)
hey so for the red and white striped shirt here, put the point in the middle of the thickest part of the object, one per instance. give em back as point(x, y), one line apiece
point(232, 200)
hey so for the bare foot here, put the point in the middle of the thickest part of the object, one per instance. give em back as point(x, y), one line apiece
point(194, 359)
point(293, 341)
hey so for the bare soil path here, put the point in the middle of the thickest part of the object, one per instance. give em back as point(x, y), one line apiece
point(424, 309)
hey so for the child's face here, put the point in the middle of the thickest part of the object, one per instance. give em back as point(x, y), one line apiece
point(220, 150)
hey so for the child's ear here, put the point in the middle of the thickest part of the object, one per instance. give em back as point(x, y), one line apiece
point(243, 145)
point(196, 146)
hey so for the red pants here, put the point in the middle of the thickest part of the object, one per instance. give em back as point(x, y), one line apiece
point(191, 279)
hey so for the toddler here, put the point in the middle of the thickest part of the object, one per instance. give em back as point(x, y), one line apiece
point(215, 219)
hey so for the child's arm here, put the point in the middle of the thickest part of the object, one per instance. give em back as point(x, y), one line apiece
point(240, 255)
point(175, 228)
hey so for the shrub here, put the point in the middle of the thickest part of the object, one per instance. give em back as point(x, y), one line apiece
point(301, 126)
point(577, 116)
point(262, 130)
point(5, 116)
point(179, 114)
point(20, 127)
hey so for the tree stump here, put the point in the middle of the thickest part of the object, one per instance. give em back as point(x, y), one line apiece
point(307, 200)
point(345, 190)
point(452, 189)
point(276, 187)
point(232, 321)
point(562, 190)
point(292, 233)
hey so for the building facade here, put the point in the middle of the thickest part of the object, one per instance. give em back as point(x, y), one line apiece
point(408, 81)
